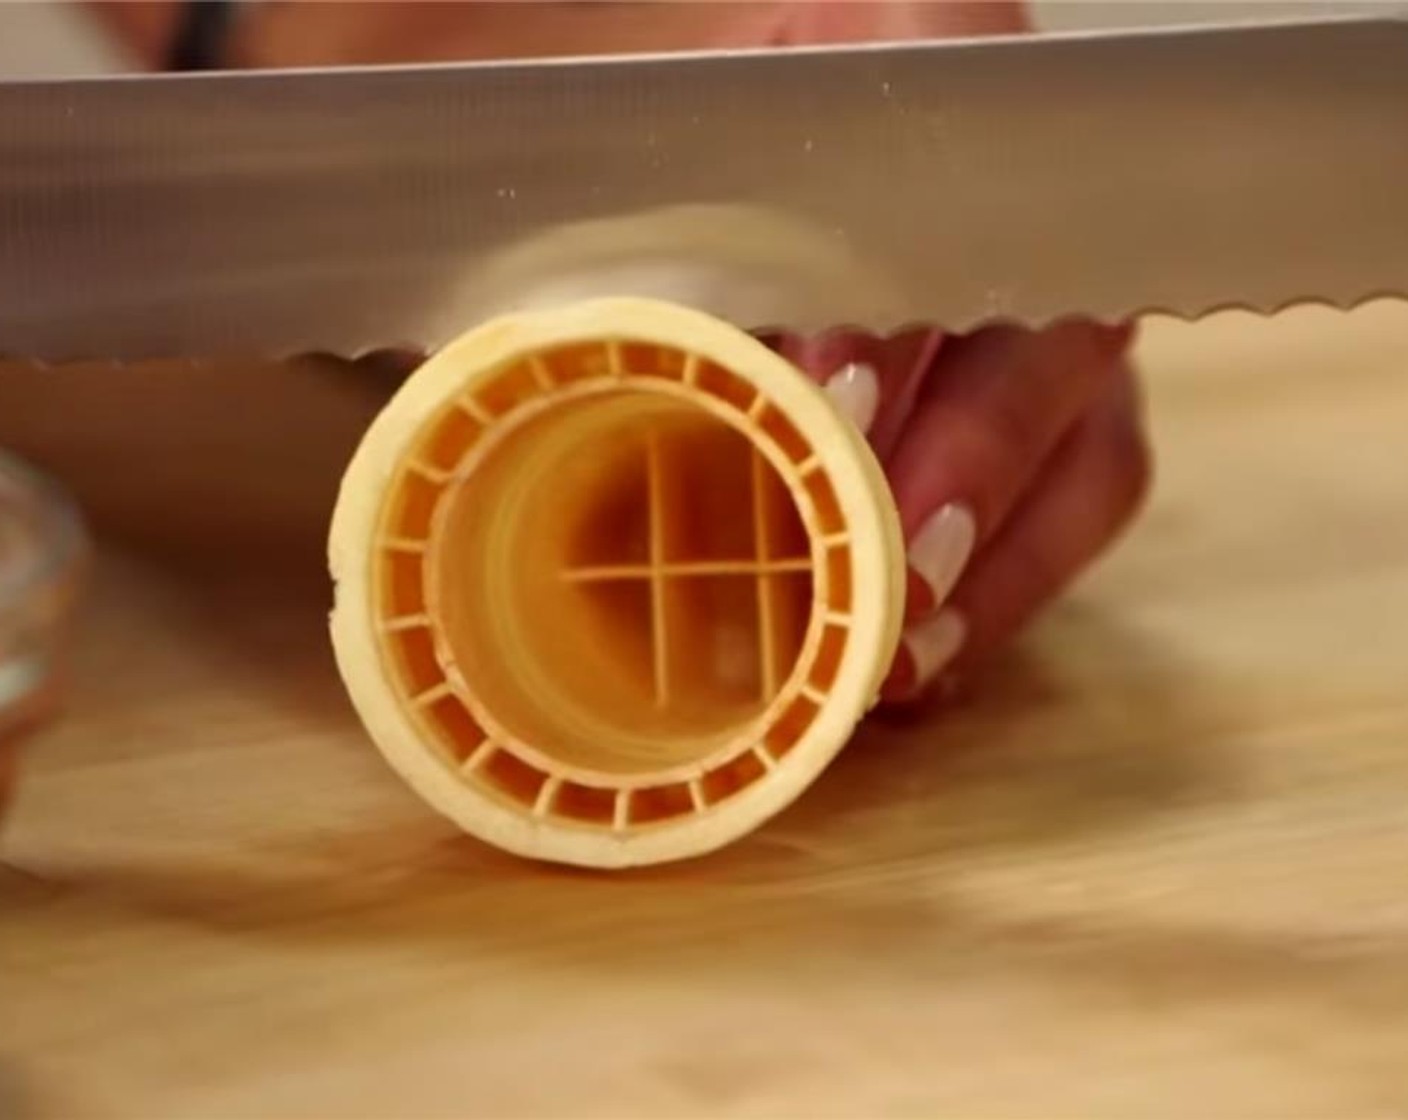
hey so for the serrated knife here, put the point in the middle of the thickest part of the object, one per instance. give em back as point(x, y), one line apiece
point(951, 182)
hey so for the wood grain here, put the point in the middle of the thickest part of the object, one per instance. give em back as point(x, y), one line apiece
point(1155, 865)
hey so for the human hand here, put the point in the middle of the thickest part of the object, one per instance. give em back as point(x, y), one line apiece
point(1016, 458)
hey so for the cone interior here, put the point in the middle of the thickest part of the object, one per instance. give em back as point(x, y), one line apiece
point(613, 584)
point(625, 580)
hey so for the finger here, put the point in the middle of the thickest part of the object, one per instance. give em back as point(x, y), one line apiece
point(990, 414)
point(1098, 483)
point(1090, 490)
point(896, 364)
point(873, 379)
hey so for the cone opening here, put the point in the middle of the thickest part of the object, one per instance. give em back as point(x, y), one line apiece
point(624, 581)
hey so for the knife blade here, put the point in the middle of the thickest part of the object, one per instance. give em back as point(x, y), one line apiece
point(956, 183)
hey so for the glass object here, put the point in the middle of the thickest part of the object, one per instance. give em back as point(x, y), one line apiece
point(43, 550)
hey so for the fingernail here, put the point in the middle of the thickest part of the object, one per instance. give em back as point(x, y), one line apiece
point(855, 389)
point(940, 550)
point(933, 643)
point(927, 648)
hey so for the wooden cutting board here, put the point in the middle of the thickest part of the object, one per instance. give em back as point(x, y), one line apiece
point(1156, 866)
